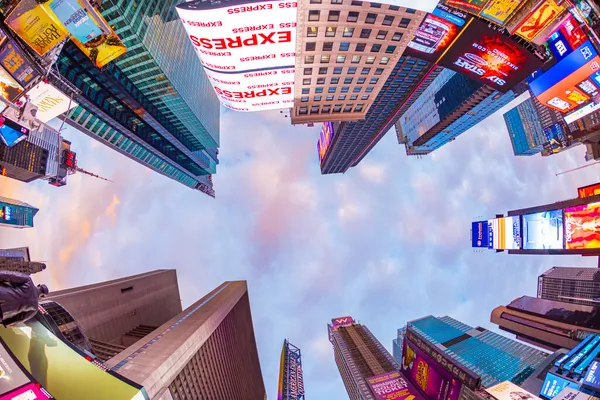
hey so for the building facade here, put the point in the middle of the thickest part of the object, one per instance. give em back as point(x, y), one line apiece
point(345, 53)
point(397, 344)
point(16, 254)
point(24, 267)
point(25, 161)
point(206, 352)
point(571, 285)
point(524, 129)
point(16, 214)
point(154, 104)
point(291, 378)
point(485, 358)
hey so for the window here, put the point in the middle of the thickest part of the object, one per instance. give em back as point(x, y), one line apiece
point(375, 5)
point(365, 33)
point(388, 20)
point(328, 46)
point(384, 60)
point(337, 70)
point(356, 59)
point(371, 18)
point(390, 49)
point(370, 60)
point(359, 107)
point(311, 46)
point(375, 48)
point(127, 289)
point(360, 46)
point(348, 81)
point(307, 71)
point(394, 8)
point(331, 89)
point(411, 10)
point(364, 97)
point(335, 81)
point(345, 89)
point(306, 81)
point(352, 16)
point(330, 31)
point(351, 70)
point(319, 90)
point(334, 16)
point(356, 3)
point(381, 35)
point(311, 31)
point(353, 97)
point(320, 81)
point(329, 98)
point(305, 90)
point(340, 58)
point(397, 36)
point(337, 1)
point(323, 71)
point(326, 109)
point(304, 99)
point(344, 46)
point(315, 1)
point(348, 32)
point(302, 111)
point(374, 81)
point(361, 80)
point(365, 71)
point(325, 58)
point(337, 109)
point(404, 22)
point(342, 97)
point(313, 15)
point(379, 71)
point(318, 98)
point(348, 109)
point(369, 89)
point(309, 59)
point(356, 89)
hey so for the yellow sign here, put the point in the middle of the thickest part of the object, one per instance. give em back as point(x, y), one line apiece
point(542, 16)
point(102, 49)
point(500, 11)
point(37, 26)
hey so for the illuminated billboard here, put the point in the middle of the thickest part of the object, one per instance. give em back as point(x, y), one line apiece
point(554, 384)
point(592, 377)
point(12, 133)
point(392, 386)
point(543, 230)
point(560, 87)
point(485, 54)
point(291, 380)
point(50, 101)
point(342, 321)
point(434, 381)
point(248, 50)
point(470, 6)
point(10, 89)
point(325, 139)
point(76, 19)
point(588, 191)
point(509, 391)
point(582, 227)
point(479, 234)
point(507, 233)
point(500, 11)
point(543, 15)
point(103, 48)
point(15, 382)
point(13, 60)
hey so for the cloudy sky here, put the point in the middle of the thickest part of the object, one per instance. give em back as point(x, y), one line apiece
point(386, 242)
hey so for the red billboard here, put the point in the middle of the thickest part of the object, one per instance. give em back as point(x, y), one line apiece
point(582, 227)
point(341, 321)
point(589, 191)
point(542, 16)
point(470, 6)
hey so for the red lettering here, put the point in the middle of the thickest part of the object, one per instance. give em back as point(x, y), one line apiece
point(234, 43)
point(285, 37)
point(253, 41)
point(238, 41)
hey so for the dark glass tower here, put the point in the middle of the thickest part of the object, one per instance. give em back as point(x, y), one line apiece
point(16, 214)
point(571, 285)
point(524, 129)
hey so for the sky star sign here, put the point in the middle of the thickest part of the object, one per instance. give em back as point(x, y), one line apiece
point(240, 43)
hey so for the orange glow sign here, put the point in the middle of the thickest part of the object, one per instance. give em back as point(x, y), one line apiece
point(545, 13)
point(582, 227)
point(589, 191)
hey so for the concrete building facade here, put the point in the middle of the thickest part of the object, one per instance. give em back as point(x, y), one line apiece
point(571, 285)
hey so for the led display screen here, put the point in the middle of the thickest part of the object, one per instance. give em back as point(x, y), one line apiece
point(470, 6)
point(554, 384)
point(543, 230)
point(342, 321)
point(12, 133)
point(588, 191)
point(543, 15)
point(247, 49)
point(102, 49)
point(500, 11)
point(392, 386)
point(582, 227)
point(509, 391)
point(592, 377)
point(76, 19)
point(325, 139)
point(50, 101)
point(479, 234)
point(506, 233)
point(13, 60)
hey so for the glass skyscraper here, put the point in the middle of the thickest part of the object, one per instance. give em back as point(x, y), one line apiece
point(525, 129)
point(493, 357)
point(16, 214)
point(153, 104)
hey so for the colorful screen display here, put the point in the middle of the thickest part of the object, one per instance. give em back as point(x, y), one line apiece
point(103, 48)
point(470, 6)
point(12, 133)
point(506, 233)
point(554, 384)
point(325, 139)
point(588, 191)
point(542, 16)
point(342, 321)
point(543, 230)
point(509, 391)
point(592, 377)
point(582, 227)
point(500, 11)
point(479, 234)
point(13, 60)
point(392, 386)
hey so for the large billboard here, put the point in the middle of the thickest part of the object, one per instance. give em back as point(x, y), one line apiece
point(588, 191)
point(341, 321)
point(433, 380)
point(15, 384)
point(561, 86)
point(592, 377)
point(479, 234)
point(12, 133)
point(76, 19)
point(13, 60)
point(582, 227)
point(543, 15)
point(50, 101)
point(573, 394)
point(543, 230)
point(10, 89)
point(470, 6)
point(103, 48)
point(507, 233)
point(392, 386)
point(554, 384)
point(500, 11)
point(248, 50)
point(509, 391)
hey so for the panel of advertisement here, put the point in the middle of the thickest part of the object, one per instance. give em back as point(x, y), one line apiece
point(572, 394)
point(588, 191)
point(36, 26)
point(10, 89)
point(437, 32)
point(11, 375)
point(582, 227)
point(484, 54)
point(392, 386)
point(50, 101)
point(102, 49)
point(573, 32)
point(341, 321)
point(491, 234)
point(13, 60)
point(500, 11)
point(592, 377)
point(420, 369)
point(582, 112)
point(507, 233)
point(554, 384)
point(248, 50)
point(76, 19)
point(509, 391)
point(479, 234)
point(470, 6)
point(556, 137)
point(543, 230)
point(30, 391)
point(587, 10)
point(12, 133)
point(325, 139)
point(542, 16)
point(65, 373)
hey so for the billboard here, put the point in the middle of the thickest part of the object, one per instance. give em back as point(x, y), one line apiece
point(12, 378)
point(30, 391)
point(66, 374)
point(10, 89)
point(479, 234)
point(509, 391)
point(76, 19)
point(102, 49)
point(500, 11)
point(248, 50)
point(325, 139)
point(560, 87)
point(50, 101)
point(470, 6)
point(556, 137)
point(554, 384)
point(543, 230)
point(392, 386)
point(572, 394)
point(281, 374)
point(588, 191)
point(592, 377)
point(543, 15)
point(433, 380)
point(582, 227)
point(507, 233)
point(342, 321)
point(12, 133)
point(13, 60)
point(485, 54)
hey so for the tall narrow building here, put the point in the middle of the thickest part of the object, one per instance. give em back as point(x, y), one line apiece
point(571, 285)
point(291, 378)
point(16, 214)
point(524, 129)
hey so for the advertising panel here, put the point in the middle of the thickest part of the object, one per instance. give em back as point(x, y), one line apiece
point(543, 230)
point(248, 50)
point(102, 49)
point(556, 137)
point(325, 139)
point(50, 101)
point(588, 191)
point(582, 112)
point(484, 54)
point(9, 87)
point(342, 321)
point(437, 32)
point(76, 19)
point(582, 227)
point(12, 133)
point(11, 375)
point(554, 384)
point(420, 369)
point(13, 60)
point(392, 386)
point(30, 391)
point(507, 233)
point(572, 394)
point(66, 375)
point(573, 32)
point(479, 234)
point(491, 235)
point(542, 16)
point(470, 6)
point(592, 377)
point(36, 26)
point(500, 11)
point(509, 391)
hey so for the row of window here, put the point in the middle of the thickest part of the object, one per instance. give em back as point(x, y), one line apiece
point(350, 70)
point(360, 3)
point(341, 97)
point(371, 18)
point(327, 108)
point(341, 58)
point(335, 80)
point(348, 32)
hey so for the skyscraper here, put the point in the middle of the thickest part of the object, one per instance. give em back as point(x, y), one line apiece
point(571, 285)
point(547, 323)
point(340, 68)
point(397, 344)
point(16, 214)
point(291, 378)
point(524, 129)
point(154, 104)
point(16, 254)
point(475, 356)
point(24, 161)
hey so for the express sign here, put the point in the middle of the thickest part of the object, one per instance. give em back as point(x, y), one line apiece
point(248, 58)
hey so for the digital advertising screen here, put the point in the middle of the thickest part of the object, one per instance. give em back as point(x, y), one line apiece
point(484, 54)
point(543, 230)
point(76, 19)
point(426, 374)
point(341, 321)
point(325, 137)
point(588, 191)
point(543, 15)
point(582, 227)
point(10, 89)
point(509, 391)
point(470, 6)
point(592, 377)
point(500, 11)
point(554, 384)
point(247, 49)
point(556, 137)
point(479, 234)
point(13, 60)
point(102, 49)
point(12, 133)
point(50, 101)
point(392, 386)
point(507, 233)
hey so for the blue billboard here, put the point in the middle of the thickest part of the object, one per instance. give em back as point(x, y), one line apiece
point(554, 384)
point(480, 234)
point(592, 378)
point(543, 230)
point(559, 45)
